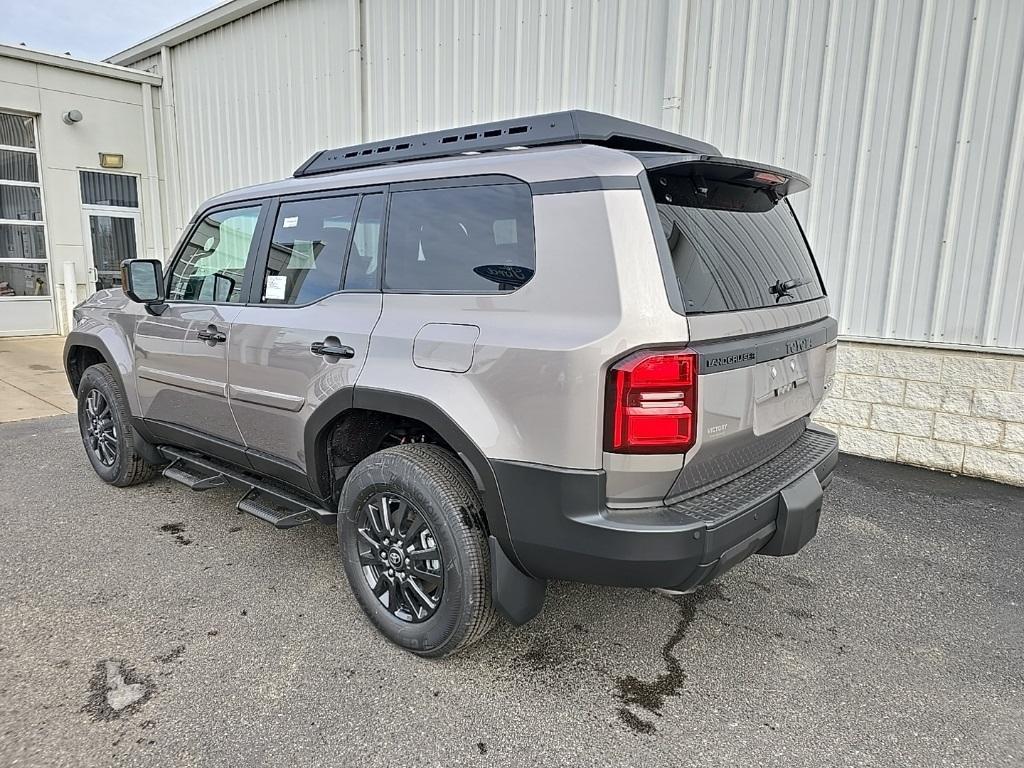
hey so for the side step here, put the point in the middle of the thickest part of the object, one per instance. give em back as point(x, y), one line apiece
point(197, 481)
point(273, 511)
point(264, 499)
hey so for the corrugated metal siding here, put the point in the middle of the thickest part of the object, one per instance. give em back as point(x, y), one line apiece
point(255, 97)
point(907, 114)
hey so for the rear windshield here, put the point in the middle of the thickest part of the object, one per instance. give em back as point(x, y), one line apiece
point(732, 246)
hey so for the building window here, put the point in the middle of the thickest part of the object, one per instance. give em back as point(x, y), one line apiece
point(24, 271)
point(109, 189)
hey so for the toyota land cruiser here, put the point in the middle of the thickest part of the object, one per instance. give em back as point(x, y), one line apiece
point(562, 347)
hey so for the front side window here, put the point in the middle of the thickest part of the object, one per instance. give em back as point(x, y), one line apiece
point(476, 239)
point(212, 265)
point(307, 251)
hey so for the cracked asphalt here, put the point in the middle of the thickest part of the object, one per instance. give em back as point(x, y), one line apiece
point(157, 626)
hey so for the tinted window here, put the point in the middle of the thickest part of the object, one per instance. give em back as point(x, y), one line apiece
point(307, 251)
point(20, 203)
point(364, 255)
point(18, 166)
point(212, 265)
point(109, 189)
point(20, 241)
point(748, 255)
point(16, 130)
point(466, 239)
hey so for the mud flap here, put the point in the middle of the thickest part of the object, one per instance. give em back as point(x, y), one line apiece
point(797, 522)
point(516, 596)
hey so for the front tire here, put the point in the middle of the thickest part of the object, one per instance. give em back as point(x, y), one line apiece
point(414, 548)
point(106, 430)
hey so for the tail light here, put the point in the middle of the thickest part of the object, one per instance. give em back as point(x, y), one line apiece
point(651, 403)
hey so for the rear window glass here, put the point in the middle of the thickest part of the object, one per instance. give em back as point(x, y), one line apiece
point(476, 239)
point(732, 249)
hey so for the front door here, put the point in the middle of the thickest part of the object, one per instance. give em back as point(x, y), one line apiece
point(113, 237)
point(307, 331)
point(181, 354)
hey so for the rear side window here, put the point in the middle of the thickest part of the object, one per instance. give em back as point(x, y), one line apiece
point(307, 251)
point(732, 247)
point(475, 239)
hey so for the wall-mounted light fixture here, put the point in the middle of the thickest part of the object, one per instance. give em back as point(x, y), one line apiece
point(72, 116)
point(110, 160)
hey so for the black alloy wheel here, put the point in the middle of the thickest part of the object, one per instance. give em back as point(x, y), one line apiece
point(400, 557)
point(99, 428)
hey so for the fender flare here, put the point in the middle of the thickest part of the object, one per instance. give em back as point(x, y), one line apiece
point(421, 409)
point(79, 339)
point(140, 435)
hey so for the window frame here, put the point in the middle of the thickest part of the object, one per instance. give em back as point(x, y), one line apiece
point(41, 223)
point(255, 294)
point(197, 220)
point(456, 182)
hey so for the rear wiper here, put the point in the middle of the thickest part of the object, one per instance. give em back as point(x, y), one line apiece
point(783, 288)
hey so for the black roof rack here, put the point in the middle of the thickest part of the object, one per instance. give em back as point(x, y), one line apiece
point(571, 127)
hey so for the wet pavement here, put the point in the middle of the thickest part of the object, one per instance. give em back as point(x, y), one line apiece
point(158, 626)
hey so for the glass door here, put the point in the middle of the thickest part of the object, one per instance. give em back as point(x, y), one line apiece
point(113, 237)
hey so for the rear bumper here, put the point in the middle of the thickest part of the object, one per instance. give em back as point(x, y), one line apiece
point(561, 528)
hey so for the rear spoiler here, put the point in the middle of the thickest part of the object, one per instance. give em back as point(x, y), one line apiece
point(779, 181)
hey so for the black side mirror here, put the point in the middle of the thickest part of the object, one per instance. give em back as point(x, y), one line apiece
point(142, 281)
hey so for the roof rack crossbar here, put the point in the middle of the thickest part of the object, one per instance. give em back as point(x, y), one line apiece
point(569, 127)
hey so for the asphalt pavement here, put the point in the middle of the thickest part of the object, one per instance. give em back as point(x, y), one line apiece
point(155, 626)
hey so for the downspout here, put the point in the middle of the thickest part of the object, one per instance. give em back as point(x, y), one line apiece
point(154, 205)
point(364, 77)
point(169, 125)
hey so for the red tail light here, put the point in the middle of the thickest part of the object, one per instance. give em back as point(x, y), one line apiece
point(652, 403)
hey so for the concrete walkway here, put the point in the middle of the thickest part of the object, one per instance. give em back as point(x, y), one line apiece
point(32, 380)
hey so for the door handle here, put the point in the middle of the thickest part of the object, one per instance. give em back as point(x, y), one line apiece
point(332, 350)
point(212, 335)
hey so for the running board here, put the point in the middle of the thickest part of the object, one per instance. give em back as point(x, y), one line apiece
point(274, 511)
point(264, 499)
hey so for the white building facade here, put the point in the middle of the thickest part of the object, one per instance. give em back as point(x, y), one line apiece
point(66, 221)
point(907, 116)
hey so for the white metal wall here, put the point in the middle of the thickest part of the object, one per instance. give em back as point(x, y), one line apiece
point(907, 114)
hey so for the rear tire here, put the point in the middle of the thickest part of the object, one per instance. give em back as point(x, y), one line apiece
point(428, 588)
point(103, 419)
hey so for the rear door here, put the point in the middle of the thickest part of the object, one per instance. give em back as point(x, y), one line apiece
point(181, 354)
point(755, 305)
point(305, 333)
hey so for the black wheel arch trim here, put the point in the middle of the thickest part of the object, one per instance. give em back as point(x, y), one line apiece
point(140, 437)
point(423, 410)
point(79, 339)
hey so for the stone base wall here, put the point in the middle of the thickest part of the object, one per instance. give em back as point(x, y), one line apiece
point(959, 412)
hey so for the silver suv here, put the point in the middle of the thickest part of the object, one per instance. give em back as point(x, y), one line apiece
point(562, 347)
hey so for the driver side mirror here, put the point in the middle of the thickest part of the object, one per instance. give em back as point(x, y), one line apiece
point(142, 282)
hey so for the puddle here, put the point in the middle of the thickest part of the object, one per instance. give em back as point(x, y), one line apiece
point(172, 656)
point(116, 690)
point(178, 531)
point(650, 695)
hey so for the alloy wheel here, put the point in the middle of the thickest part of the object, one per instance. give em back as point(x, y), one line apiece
point(400, 558)
point(100, 430)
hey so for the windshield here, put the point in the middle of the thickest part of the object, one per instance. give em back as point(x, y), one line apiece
point(732, 247)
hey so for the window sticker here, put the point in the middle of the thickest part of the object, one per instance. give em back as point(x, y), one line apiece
point(277, 286)
point(290, 221)
point(505, 232)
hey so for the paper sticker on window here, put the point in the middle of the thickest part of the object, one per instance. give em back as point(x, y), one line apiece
point(505, 232)
point(277, 286)
point(290, 221)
